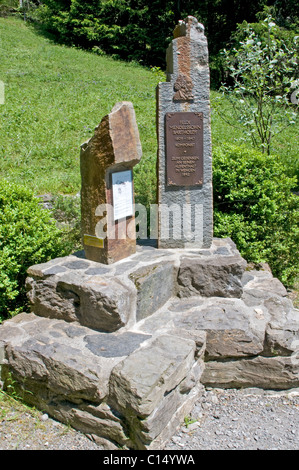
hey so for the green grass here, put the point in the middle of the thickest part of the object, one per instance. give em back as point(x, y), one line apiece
point(54, 98)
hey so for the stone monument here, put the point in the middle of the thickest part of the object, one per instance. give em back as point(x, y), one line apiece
point(121, 350)
point(107, 198)
point(184, 142)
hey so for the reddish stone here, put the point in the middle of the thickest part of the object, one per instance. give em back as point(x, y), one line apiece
point(115, 146)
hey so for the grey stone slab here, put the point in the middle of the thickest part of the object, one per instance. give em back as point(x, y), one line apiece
point(222, 251)
point(55, 270)
point(127, 267)
point(246, 278)
point(280, 373)
point(180, 307)
point(205, 252)
point(92, 301)
point(156, 423)
point(38, 270)
point(73, 331)
point(233, 329)
point(282, 333)
point(115, 345)
point(97, 271)
point(184, 410)
point(58, 365)
point(155, 284)
point(76, 264)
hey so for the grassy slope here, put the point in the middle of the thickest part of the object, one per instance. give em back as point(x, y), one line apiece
point(55, 96)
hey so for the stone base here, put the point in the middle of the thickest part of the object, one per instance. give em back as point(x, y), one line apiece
point(130, 388)
point(175, 327)
point(110, 297)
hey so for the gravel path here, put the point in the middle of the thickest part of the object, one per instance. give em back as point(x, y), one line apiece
point(248, 419)
point(242, 419)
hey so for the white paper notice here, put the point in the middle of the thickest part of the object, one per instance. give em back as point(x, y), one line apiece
point(122, 191)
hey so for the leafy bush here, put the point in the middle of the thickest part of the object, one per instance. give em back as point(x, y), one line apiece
point(254, 205)
point(140, 30)
point(67, 213)
point(8, 6)
point(135, 31)
point(28, 236)
point(264, 70)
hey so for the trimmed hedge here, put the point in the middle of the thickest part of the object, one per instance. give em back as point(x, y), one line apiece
point(28, 236)
point(254, 205)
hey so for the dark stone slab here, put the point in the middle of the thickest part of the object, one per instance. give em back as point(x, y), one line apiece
point(97, 271)
point(80, 264)
point(115, 345)
point(222, 250)
point(55, 270)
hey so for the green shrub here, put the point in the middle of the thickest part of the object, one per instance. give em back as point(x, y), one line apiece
point(67, 213)
point(7, 7)
point(254, 205)
point(264, 71)
point(28, 236)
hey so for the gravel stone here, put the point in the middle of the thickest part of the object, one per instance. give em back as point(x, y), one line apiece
point(248, 419)
point(231, 419)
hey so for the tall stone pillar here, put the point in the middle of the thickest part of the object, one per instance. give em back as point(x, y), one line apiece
point(184, 168)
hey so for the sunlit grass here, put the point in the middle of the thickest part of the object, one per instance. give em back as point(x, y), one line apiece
point(54, 98)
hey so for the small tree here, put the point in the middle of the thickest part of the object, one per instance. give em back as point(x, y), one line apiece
point(263, 70)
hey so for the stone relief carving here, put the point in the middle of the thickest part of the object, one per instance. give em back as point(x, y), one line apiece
point(183, 89)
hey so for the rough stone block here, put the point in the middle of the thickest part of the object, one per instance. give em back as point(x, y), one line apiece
point(147, 430)
point(114, 147)
point(155, 284)
point(279, 373)
point(139, 382)
point(214, 276)
point(262, 290)
point(64, 359)
point(178, 417)
point(282, 333)
point(232, 329)
point(93, 420)
point(92, 301)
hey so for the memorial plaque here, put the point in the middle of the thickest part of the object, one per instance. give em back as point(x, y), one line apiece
point(122, 189)
point(184, 149)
